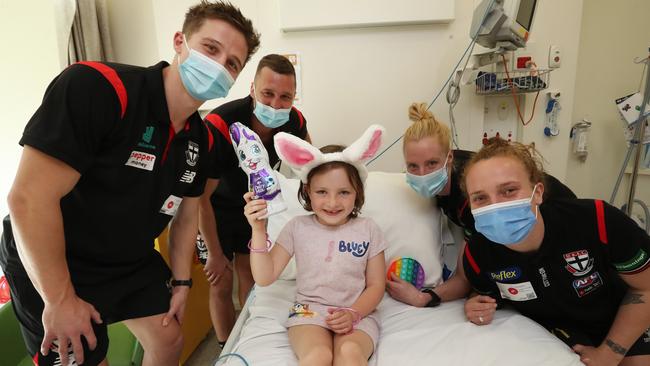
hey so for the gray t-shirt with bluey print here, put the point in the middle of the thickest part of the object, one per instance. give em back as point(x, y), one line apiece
point(331, 260)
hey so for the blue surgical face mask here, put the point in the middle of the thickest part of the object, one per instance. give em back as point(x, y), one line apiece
point(269, 116)
point(506, 223)
point(203, 77)
point(431, 184)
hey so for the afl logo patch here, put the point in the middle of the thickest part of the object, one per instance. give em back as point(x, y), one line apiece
point(587, 284)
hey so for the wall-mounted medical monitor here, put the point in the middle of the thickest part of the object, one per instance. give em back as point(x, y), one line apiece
point(525, 13)
point(503, 23)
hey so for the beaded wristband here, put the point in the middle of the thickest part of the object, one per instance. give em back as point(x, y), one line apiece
point(357, 319)
point(266, 250)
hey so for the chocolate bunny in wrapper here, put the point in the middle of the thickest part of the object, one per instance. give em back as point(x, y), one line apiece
point(254, 161)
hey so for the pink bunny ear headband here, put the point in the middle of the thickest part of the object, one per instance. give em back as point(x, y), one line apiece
point(302, 157)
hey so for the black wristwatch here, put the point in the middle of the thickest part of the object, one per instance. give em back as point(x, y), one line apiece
point(435, 299)
point(173, 283)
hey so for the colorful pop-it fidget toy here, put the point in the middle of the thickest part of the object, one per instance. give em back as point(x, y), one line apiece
point(407, 269)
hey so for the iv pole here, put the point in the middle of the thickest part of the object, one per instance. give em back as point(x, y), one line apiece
point(635, 143)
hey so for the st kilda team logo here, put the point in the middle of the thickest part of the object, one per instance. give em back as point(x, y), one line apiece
point(192, 153)
point(578, 263)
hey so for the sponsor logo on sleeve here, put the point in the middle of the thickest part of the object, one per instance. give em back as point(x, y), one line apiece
point(517, 291)
point(147, 135)
point(507, 274)
point(640, 260)
point(192, 153)
point(170, 206)
point(587, 284)
point(141, 160)
point(188, 177)
point(545, 281)
point(578, 262)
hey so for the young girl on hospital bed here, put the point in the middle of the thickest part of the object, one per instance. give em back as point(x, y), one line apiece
point(339, 256)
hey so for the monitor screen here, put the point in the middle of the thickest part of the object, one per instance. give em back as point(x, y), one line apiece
point(525, 13)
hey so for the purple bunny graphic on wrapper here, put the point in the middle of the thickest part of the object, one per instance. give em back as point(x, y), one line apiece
point(254, 161)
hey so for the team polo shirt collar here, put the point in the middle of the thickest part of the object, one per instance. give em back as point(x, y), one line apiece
point(156, 92)
point(548, 241)
point(249, 112)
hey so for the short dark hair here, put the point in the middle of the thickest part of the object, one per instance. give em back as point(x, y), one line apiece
point(350, 170)
point(227, 12)
point(277, 63)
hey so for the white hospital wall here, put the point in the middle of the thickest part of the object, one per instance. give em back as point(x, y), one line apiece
point(354, 77)
point(351, 77)
point(548, 30)
point(28, 63)
point(613, 34)
point(132, 30)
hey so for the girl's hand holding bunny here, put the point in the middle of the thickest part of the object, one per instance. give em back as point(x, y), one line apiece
point(254, 210)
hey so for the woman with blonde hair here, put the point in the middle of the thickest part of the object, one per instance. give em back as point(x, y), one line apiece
point(434, 169)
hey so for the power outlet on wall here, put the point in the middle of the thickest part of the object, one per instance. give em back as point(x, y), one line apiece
point(554, 57)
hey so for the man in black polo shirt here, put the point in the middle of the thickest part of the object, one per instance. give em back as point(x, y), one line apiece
point(267, 111)
point(112, 154)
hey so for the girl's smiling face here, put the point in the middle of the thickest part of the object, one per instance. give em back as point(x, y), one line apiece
point(332, 196)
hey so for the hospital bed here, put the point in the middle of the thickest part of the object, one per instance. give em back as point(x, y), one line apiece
point(409, 335)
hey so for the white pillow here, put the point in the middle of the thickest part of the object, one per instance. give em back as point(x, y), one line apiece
point(410, 223)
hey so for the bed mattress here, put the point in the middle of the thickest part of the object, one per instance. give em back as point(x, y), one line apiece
point(409, 335)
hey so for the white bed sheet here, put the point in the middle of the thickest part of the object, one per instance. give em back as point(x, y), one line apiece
point(409, 335)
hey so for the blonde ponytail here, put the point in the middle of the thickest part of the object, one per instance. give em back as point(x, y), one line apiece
point(426, 125)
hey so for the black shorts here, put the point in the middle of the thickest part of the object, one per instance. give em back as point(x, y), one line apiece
point(233, 230)
point(115, 301)
point(572, 337)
